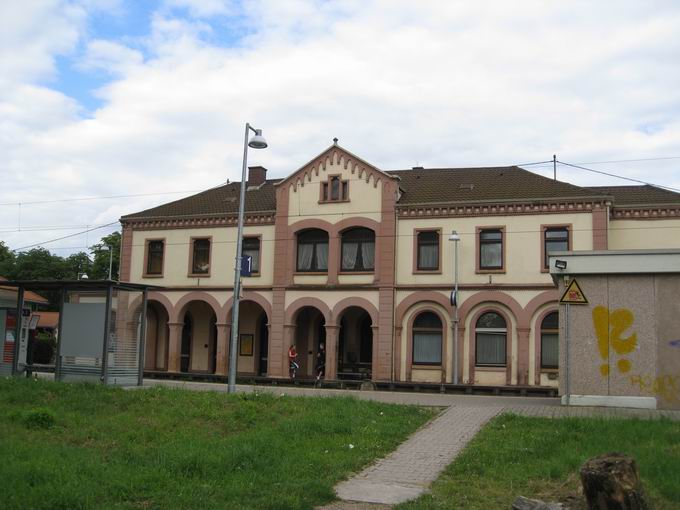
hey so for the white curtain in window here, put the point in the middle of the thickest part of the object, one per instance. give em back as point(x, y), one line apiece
point(322, 257)
point(491, 255)
point(305, 253)
point(349, 255)
point(491, 348)
point(429, 255)
point(427, 347)
point(549, 350)
point(368, 255)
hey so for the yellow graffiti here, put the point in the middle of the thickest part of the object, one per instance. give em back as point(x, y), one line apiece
point(666, 386)
point(609, 327)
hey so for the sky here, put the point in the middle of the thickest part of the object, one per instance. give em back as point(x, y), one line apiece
point(112, 98)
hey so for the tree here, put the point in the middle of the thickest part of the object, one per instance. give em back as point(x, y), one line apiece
point(39, 264)
point(100, 266)
point(6, 260)
point(76, 265)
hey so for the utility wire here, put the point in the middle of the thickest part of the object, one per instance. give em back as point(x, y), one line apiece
point(621, 177)
point(65, 237)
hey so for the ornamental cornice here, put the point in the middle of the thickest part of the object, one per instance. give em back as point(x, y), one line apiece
point(497, 209)
point(646, 212)
point(265, 218)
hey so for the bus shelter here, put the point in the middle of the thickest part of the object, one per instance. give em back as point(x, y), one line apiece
point(101, 333)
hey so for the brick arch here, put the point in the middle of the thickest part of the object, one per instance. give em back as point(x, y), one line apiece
point(196, 295)
point(343, 304)
point(491, 307)
point(250, 296)
point(297, 305)
point(491, 297)
point(347, 223)
point(420, 297)
point(310, 223)
point(545, 297)
point(159, 298)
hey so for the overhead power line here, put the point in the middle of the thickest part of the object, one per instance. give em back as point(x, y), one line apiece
point(677, 190)
point(65, 237)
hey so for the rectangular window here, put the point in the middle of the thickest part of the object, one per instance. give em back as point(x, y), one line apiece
point(428, 251)
point(200, 257)
point(312, 251)
point(251, 248)
point(490, 249)
point(154, 257)
point(549, 350)
point(554, 239)
point(358, 250)
point(335, 189)
point(490, 349)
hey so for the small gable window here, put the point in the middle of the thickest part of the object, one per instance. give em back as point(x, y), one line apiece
point(334, 189)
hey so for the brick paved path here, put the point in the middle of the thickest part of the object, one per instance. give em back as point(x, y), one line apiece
point(408, 471)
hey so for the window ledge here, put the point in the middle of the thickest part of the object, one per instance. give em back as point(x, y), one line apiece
point(345, 273)
point(310, 273)
point(198, 275)
point(427, 271)
point(487, 368)
point(334, 201)
point(152, 276)
point(425, 366)
point(550, 370)
point(490, 271)
point(252, 275)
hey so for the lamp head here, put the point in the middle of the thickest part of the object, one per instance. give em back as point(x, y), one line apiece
point(257, 141)
point(454, 236)
point(84, 276)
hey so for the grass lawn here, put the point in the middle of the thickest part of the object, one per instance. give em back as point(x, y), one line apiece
point(69, 446)
point(540, 458)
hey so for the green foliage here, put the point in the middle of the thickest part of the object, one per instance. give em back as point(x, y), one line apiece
point(100, 265)
point(39, 418)
point(6, 260)
point(169, 448)
point(541, 457)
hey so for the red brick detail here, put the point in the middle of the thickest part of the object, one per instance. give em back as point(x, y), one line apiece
point(126, 254)
point(600, 226)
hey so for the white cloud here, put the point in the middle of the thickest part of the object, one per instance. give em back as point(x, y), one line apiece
point(400, 83)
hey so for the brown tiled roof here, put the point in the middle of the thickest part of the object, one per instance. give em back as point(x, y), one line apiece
point(29, 295)
point(418, 186)
point(222, 200)
point(451, 185)
point(638, 195)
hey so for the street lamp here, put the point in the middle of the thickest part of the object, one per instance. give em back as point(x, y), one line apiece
point(106, 247)
point(454, 301)
point(256, 142)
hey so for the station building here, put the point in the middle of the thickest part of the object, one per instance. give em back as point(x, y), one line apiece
point(359, 258)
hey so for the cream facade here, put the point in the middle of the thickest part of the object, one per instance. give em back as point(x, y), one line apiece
point(359, 259)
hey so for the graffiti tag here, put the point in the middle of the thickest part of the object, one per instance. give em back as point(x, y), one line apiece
point(609, 328)
point(666, 386)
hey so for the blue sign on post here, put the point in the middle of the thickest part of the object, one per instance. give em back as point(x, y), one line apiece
point(246, 265)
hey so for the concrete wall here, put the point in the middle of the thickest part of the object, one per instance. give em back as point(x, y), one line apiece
point(622, 344)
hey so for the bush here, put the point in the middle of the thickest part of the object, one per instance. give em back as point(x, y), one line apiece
point(39, 418)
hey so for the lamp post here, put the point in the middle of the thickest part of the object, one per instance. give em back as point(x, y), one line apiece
point(455, 238)
point(106, 247)
point(256, 142)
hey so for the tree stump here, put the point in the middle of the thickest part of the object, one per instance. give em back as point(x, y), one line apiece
point(612, 482)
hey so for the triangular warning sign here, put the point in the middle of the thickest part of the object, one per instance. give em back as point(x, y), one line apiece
point(573, 295)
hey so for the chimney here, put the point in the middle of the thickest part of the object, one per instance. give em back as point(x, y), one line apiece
point(256, 175)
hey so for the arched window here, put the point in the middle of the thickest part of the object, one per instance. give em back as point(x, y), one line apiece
point(550, 352)
point(358, 249)
point(427, 339)
point(312, 251)
point(491, 339)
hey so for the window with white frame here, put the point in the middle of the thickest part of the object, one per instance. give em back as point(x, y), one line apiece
point(427, 339)
point(491, 336)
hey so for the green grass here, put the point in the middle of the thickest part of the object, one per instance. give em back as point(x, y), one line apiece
point(70, 446)
point(540, 458)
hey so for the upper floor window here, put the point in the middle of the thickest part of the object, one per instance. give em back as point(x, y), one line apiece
point(549, 341)
point(491, 249)
point(334, 189)
point(358, 250)
point(154, 257)
point(554, 239)
point(490, 340)
point(428, 250)
point(200, 257)
point(427, 339)
point(251, 248)
point(312, 251)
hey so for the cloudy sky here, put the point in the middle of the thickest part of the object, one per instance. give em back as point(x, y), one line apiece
point(142, 97)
